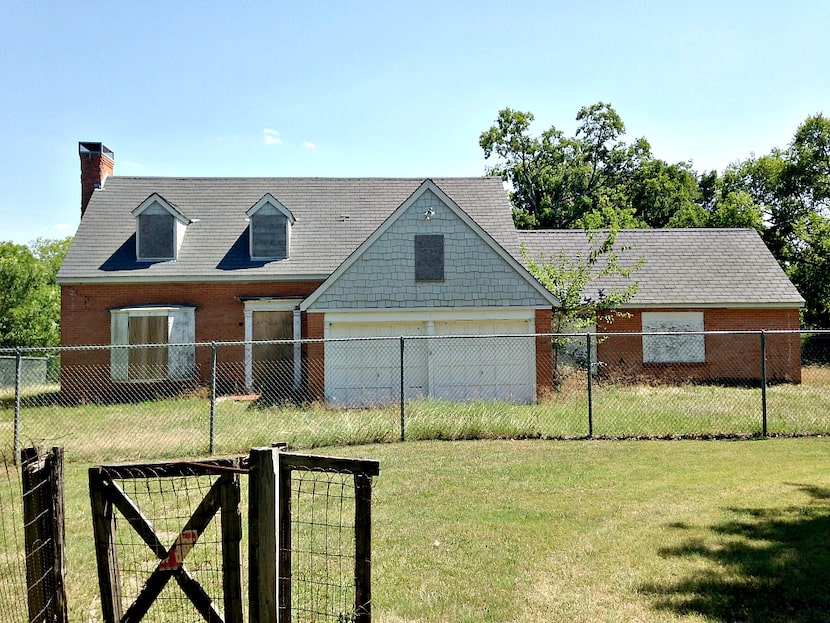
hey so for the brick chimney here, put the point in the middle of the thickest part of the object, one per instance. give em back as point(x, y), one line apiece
point(97, 163)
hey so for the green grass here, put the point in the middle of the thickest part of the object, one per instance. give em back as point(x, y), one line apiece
point(527, 530)
point(538, 530)
point(179, 427)
point(602, 531)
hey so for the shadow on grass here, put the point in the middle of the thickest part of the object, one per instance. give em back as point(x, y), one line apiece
point(770, 565)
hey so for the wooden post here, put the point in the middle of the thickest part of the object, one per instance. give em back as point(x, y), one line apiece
point(284, 543)
point(262, 535)
point(61, 614)
point(103, 528)
point(33, 509)
point(363, 548)
point(44, 534)
point(231, 546)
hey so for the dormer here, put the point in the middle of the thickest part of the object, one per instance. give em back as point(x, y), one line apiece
point(159, 230)
point(269, 235)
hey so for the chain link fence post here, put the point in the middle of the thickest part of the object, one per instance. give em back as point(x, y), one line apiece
point(212, 397)
point(590, 385)
point(18, 373)
point(763, 383)
point(403, 397)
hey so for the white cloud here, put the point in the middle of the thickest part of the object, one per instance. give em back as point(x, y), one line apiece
point(309, 145)
point(62, 226)
point(272, 137)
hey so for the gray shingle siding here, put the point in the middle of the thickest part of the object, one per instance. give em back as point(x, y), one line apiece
point(384, 275)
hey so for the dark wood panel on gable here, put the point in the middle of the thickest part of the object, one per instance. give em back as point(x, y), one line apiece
point(429, 257)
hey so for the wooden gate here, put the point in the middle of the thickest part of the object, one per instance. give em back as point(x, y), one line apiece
point(310, 530)
point(161, 550)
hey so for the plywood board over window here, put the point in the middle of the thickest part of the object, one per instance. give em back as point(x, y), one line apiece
point(149, 362)
point(429, 257)
point(134, 329)
point(688, 348)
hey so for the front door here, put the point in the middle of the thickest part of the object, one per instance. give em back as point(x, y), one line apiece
point(273, 363)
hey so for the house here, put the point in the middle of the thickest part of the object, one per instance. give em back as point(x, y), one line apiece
point(691, 280)
point(178, 261)
point(170, 263)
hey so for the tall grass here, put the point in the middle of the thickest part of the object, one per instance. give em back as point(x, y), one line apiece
point(183, 426)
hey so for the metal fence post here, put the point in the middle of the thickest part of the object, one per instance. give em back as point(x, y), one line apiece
point(590, 386)
point(18, 373)
point(212, 397)
point(403, 398)
point(763, 383)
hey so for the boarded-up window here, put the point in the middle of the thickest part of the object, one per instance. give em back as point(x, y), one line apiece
point(156, 236)
point(171, 327)
point(269, 234)
point(689, 348)
point(429, 257)
point(150, 362)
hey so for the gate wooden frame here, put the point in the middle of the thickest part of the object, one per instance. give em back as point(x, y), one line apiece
point(224, 496)
point(270, 469)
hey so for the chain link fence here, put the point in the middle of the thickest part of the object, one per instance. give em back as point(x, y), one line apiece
point(157, 401)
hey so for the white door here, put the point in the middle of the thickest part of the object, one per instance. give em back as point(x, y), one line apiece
point(484, 368)
point(365, 369)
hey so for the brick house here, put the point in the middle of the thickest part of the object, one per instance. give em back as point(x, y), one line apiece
point(693, 280)
point(176, 261)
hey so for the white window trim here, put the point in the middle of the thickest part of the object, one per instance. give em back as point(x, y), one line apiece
point(181, 329)
point(269, 304)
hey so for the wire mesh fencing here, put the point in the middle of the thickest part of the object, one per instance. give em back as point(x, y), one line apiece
point(13, 604)
point(32, 537)
point(168, 541)
point(157, 401)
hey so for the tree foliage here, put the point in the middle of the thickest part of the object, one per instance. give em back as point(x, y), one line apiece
point(557, 179)
point(594, 180)
point(790, 192)
point(29, 293)
point(574, 280)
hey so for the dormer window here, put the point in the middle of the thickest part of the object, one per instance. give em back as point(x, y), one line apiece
point(269, 230)
point(159, 229)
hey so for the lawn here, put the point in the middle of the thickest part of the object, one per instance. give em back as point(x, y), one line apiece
point(182, 426)
point(538, 530)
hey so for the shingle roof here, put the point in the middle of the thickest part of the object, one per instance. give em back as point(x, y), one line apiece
point(698, 267)
point(333, 216)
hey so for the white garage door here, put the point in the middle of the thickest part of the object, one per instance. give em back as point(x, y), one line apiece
point(484, 368)
point(362, 372)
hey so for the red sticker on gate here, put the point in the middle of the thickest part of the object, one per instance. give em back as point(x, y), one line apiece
point(181, 548)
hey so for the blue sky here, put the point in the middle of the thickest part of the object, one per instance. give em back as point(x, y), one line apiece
point(381, 88)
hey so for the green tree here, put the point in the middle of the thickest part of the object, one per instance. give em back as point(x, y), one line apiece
point(573, 280)
point(790, 189)
point(659, 190)
point(555, 179)
point(811, 271)
point(29, 294)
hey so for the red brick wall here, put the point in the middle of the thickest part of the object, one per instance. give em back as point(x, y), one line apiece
point(85, 320)
point(728, 357)
point(95, 167)
point(544, 354)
